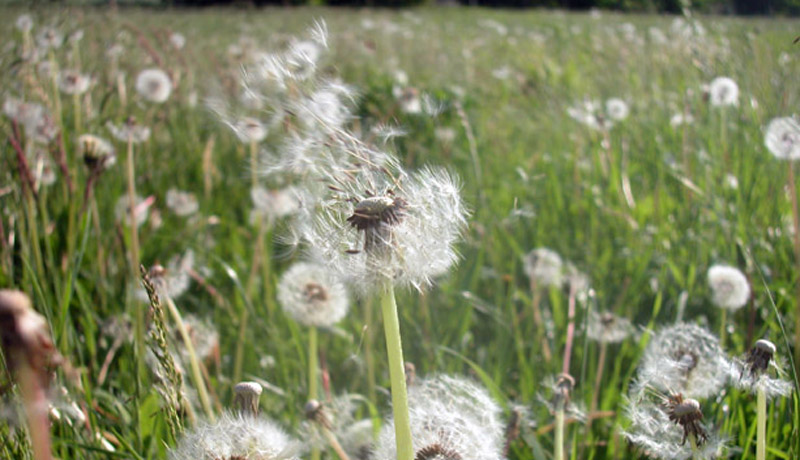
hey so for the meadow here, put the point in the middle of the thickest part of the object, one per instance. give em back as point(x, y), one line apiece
point(610, 140)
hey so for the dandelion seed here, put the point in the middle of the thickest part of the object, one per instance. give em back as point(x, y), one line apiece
point(234, 437)
point(729, 287)
point(545, 267)
point(782, 138)
point(154, 85)
point(683, 358)
point(181, 203)
point(723, 91)
point(312, 295)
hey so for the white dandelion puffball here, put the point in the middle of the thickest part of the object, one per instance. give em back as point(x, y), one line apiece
point(683, 358)
point(129, 131)
point(312, 295)
point(234, 436)
point(617, 109)
point(182, 203)
point(607, 327)
point(24, 23)
point(73, 82)
point(782, 138)
point(249, 129)
point(177, 40)
point(545, 267)
point(451, 417)
point(379, 228)
point(154, 85)
point(723, 91)
point(729, 287)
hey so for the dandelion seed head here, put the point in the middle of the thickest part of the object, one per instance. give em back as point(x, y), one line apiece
point(729, 287)
point(154, 85)
point(782, 138)
point(24, 23)
point(235, 437)
point(130, 130)
point(683, 358)
point(50, 37)
point(177, 40)
point(617, 109)
point(312, 295)
point(723, 91)
point(607, 327)
point(545, 267)
point(249, 129)
point(462, 424)
point(182, 203)
point(98, 153)
point(274, 204)
point(377, 227)
point(751, 372)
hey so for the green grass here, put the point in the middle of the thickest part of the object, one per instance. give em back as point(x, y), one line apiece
point(531, 157)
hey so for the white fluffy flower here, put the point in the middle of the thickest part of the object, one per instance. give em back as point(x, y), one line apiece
point(234, 436)
point(129, 131)
point(723, 91)
point(275, 203)
point(313, 295)
point(177, 40)
point(142, 206)
point(683, 358)
point(729, 287)
point(24, 23)
point(782, 138)
point(182, 203)
point(378, 227)
point(154, 85)
point(617, 109)
point(607, 327)
point(545, 267)
point(249, 129)
point(451, 417)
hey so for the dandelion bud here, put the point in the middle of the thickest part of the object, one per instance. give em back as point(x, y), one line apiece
point(246, 399)
point(154, 85)
point(729, 287)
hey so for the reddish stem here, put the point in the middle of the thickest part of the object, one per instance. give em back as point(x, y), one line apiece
point(570, 331)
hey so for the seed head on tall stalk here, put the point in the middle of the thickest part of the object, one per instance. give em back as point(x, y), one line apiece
point(381, 227)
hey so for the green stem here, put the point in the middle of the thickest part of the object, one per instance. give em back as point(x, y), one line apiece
point(253, 164)
point(558, 448)
point(313, 367)
point(722, 329)
point(139, 327)
point(693, 443)
point(761, 426)
point(394, 348)
point(76, 103)
point(197, 375)
point(369, 349)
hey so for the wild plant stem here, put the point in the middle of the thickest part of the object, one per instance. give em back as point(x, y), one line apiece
point(76, 103)
point(313, 368)
point(723, 323)
point(796, 222)
point(761, 426)
point(558, 447)
point(36, 410)
point(570, 331)
point(394, 348)
point(539, 321)
point(598, 378)
point(197, 375)
point(139, 329)
point(369, 348)
point(334, 443)
point(253, 164)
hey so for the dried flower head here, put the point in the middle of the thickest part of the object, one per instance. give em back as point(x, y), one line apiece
point(25, 336)
point(182, 203)
point(687, 414)
point(154, 85)
point(234, 437)
point(312, 295)
point(723, 91)
point(129, 131)
point(73, 82)
point(607, 327)
point(98, 153)
point(683, 358)
point(782, 138)
point(377, 227)
point(752, 372)
point(544, 267)
point(729, 287)
point(246, 399)
point(451, 418)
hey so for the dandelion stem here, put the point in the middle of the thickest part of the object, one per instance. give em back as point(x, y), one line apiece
point(134, 252)
point(76, 105)
point(722, 329)
point(35, 401)
point(538, 320)
point(253, 164)
point(796, 225)
point(761, 426)
point(598, 378)
point(570, 331)
point(369, 340)
point(394, 348)
point(334, 443)
point(693, 443)
point(197, 376)
point(558, 447)
point(313, 364)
